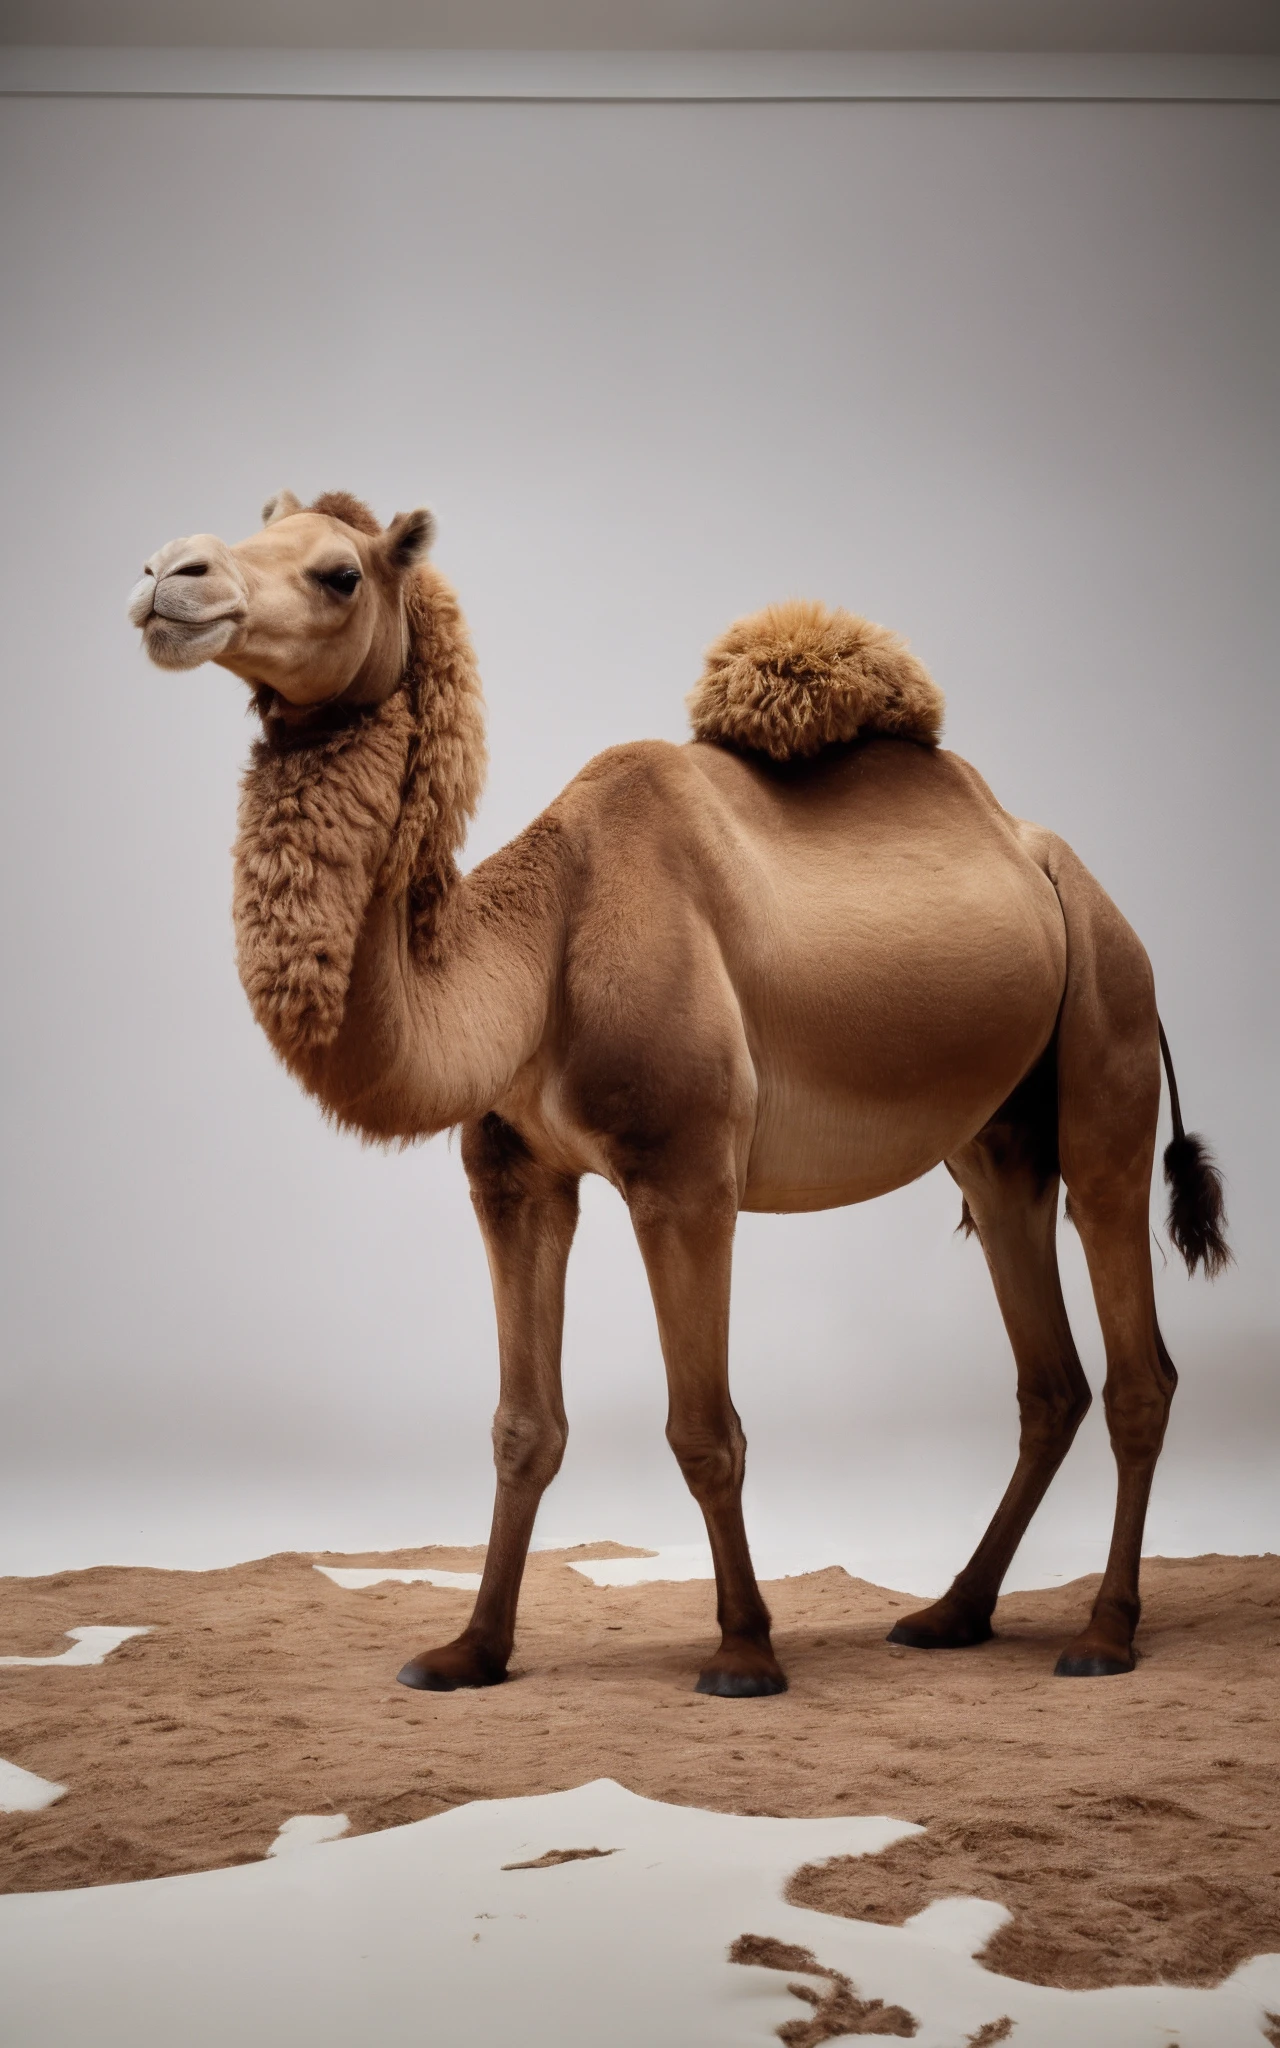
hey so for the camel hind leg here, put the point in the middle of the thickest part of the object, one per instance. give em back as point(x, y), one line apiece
point(1108, 1100)
point(1009, 1176)
point(1108, 1107)
point(1138, 1392)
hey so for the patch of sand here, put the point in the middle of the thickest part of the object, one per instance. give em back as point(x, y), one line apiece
point(1129, 1823)
point(837, 2012)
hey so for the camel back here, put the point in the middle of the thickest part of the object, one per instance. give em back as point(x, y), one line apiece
point(796, 677)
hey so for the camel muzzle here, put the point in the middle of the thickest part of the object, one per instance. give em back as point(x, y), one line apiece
point(189, 602)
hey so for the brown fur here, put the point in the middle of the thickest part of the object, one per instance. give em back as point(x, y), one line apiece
point(718, 986)
point(314, 828)
point(379, 805)
point(345, 506)
point(796, 677)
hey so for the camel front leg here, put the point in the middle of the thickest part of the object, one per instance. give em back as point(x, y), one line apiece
point(686, 1240)
point(527, 1216)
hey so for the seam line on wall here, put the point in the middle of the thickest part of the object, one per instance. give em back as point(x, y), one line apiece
point(684, 99)
point(618, 78)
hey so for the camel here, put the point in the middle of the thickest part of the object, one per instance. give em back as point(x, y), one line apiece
point(790, 965)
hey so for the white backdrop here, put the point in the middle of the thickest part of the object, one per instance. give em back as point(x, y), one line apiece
point(1002, 376)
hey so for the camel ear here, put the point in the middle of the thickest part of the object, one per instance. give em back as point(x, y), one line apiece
point(407, 538)
point(280, 507)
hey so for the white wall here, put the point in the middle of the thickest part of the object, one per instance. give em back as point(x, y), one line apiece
point(1000, 375)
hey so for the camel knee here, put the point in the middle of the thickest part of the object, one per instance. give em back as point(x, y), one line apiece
point(1052, 1414)
point(711, 1464)
point(527, 1448)
point(1137, 1416)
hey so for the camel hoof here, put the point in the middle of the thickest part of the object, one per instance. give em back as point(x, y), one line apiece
point(741, 1685)
point(1092, 1664)
point(450, 1670)
point(934, 1630)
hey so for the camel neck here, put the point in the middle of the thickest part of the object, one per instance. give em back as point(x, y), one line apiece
point(398, 992)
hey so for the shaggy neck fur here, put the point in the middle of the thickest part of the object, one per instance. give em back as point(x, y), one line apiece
point(373, 808)
point(796, 677)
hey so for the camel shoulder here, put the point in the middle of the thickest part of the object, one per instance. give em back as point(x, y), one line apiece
point(642, 767)
point(619, 799)
point(627, 793)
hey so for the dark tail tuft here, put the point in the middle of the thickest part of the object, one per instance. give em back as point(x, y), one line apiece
point(966, 1227)
point(1197, 1215)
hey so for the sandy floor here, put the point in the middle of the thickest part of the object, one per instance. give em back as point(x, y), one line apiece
point(1131, 1824)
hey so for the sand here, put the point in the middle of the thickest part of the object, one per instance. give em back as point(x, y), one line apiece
point(1130, 1824)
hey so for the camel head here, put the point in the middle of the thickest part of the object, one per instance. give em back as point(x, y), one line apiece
point(309, 610)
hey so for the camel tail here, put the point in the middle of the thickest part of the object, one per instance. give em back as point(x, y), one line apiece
point(1197, 1215)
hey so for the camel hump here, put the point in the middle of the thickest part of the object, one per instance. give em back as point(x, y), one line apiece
point(796, 677)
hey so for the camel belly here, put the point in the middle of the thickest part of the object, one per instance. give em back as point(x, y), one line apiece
point(882, 1048)
point(814, 1150)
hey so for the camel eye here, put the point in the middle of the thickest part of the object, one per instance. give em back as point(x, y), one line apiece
point(341, 581)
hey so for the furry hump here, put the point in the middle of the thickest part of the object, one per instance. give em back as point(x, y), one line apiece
point(796, 677)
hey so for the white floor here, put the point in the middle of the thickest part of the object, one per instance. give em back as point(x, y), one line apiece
point(88, 1646)
point(419, 1933)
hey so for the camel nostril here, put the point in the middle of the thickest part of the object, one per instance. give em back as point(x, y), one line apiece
point(191, 569)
